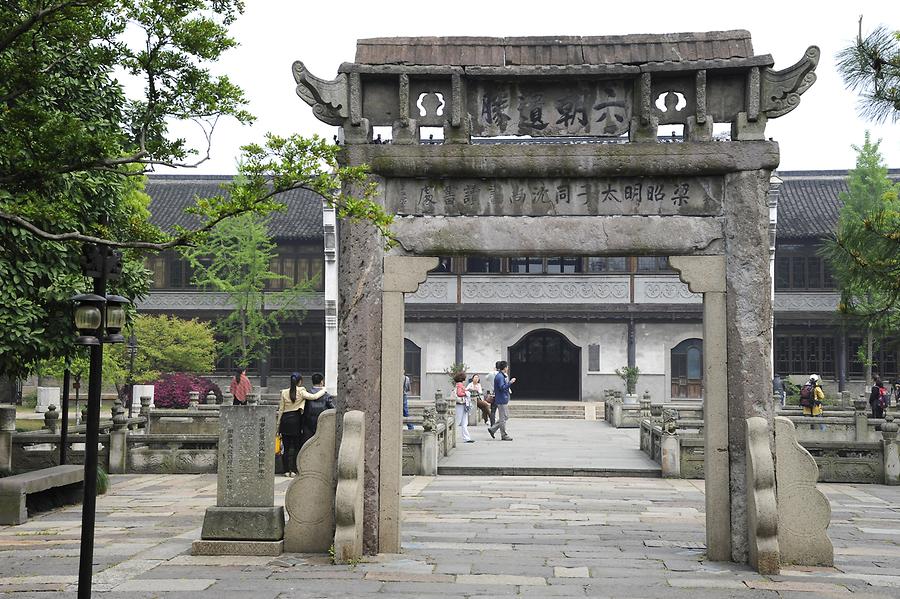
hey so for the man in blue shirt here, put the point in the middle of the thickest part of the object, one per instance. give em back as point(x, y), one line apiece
point(501, 400)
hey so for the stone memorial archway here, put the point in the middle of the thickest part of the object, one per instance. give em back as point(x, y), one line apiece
point(703, 202)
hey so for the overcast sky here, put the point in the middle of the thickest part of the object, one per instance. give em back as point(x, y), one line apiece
point(816, 135)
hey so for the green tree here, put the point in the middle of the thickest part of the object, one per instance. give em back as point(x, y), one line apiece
point(865, 251)
point(871, 66)
point(75, 143)
point(169, 344)
point(234, 259)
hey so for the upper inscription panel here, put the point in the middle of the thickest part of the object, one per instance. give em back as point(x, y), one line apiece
point(690, 196)
point(600, 108)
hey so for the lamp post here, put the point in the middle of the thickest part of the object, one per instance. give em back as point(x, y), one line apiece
point(131, 347)
point(99, 319)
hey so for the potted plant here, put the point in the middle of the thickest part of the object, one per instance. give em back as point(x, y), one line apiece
point(630, 375)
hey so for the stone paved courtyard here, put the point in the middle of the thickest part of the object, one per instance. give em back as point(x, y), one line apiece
point(462, 536)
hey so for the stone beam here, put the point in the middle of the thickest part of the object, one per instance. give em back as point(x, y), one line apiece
point(563, 160)
point(560, 235)
point(706, 275)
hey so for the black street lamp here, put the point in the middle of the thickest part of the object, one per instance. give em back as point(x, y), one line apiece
point(131, 347)
point(99, 319)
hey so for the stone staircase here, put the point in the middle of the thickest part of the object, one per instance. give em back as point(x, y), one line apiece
point(571, 410)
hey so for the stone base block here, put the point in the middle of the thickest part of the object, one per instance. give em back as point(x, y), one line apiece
point(264, 548)
point(243, 524)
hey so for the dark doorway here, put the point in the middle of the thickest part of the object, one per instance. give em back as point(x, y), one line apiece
point(546, 365)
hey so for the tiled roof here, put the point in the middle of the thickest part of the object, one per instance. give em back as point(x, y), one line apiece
point(171, 194)
point(808, 205)
point(562, 50)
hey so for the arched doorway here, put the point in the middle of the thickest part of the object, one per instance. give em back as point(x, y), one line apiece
point(546, 365)
point(687, 369)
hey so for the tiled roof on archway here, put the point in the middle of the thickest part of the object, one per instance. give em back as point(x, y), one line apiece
point(562, 50)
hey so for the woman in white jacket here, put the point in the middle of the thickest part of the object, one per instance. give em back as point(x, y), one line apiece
point(461, 394)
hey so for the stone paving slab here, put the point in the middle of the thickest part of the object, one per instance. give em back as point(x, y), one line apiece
point(622, 538)
point(551, 447)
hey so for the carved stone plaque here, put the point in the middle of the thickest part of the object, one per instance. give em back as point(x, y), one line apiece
point(693, 196)
point(595, 108)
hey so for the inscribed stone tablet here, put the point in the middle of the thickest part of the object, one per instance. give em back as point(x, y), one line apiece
point(688, 196)
point(246, 456)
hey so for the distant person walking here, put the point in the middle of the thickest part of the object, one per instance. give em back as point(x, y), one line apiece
point(240, 387)
point(463, 405)
point(407, 385)
point(477, 395)
point(811, 398)
point(878, 398)
point(489, 390)
point(502, 383)
point(779, 388)
point(289, 420)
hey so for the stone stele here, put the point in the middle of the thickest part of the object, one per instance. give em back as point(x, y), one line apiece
point(803, 511)
point(309, 500)
point(245, 506)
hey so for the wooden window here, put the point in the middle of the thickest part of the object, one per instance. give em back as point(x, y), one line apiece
point(412, 365)
point(607, 264)
point(563, 265)
point(526, 265)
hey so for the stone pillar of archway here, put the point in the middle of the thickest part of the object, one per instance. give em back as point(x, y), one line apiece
point(706, 275)
point(402, 274)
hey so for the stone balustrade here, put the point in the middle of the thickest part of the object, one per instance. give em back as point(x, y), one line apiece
point(852, 448)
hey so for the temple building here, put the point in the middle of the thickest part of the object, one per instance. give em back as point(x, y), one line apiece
point(565, 324)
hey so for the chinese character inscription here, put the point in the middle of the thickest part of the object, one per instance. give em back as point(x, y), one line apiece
point(593, 109)
point(696, 196)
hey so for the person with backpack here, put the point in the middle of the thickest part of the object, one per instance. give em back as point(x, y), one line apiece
point(314, 407)
point(811, 398)
point(878, 398)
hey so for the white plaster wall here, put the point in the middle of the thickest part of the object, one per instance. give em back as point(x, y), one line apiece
point(438, 343)
point(487, 342)
point(653, 346)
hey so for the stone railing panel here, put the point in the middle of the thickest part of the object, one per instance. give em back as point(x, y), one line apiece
point(663, 289)
point(309, 500)
point(803, 511)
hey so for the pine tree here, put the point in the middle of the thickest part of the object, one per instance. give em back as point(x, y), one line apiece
point(865, 251)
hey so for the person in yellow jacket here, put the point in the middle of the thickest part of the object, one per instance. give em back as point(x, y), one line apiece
point(818, 396)
point(288, 420)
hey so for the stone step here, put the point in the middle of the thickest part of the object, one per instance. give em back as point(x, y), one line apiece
point(611, 472)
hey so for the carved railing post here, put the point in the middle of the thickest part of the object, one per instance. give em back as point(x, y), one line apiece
point(7, 430)
point(348, 500)
point(762, 506)
point(861, 419)
point(51, 420)
point(891, 454)
point(118, 440)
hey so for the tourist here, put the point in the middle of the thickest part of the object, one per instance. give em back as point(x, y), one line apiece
point(779, 388)
point(313, 408)
point(501, 400)
point(476, 393)
point(813, 405)
point(240, 387)
point(288, 421)
point(406, 387)
point(489, 386)
point(878, 398)
point(462, 406)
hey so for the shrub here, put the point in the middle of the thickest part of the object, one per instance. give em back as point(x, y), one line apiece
point(172, 390)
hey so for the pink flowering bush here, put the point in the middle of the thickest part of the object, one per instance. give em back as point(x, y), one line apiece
point(173, 389)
